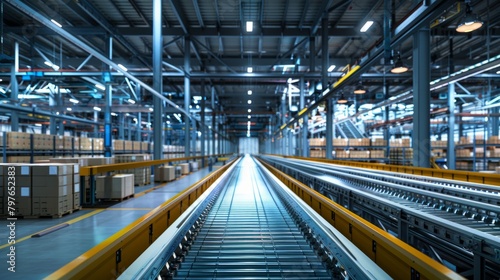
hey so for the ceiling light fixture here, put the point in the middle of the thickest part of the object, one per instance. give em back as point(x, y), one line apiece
point(249, 26)
point(97, 109)
point(151, 109)
point(56, 23)
point(366, 26)
point(249, 101)
point(131, 101)
point(342, 99)
point(69, 109)
point(249, 92)
point(360, 89)
point(114, 114)
point(249, 116)
point(399, 66)
point(74, 101)
point(470, 22)
point(330, 69)
point(249, 110)
point(249, 69)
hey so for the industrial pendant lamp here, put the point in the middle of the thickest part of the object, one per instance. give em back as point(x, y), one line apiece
point(470, 22)
point(342, 99)
point(360, 89)
point(399, 66)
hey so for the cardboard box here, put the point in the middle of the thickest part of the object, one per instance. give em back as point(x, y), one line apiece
point(117, 186)
point(184, 168)
point(193, 166)
point(52, 191)
point(52, 169)
point(50, 206)
point(164, 173)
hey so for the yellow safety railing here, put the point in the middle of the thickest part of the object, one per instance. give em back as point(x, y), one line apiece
point(98, 169)
point(396, 258)
point(110, 258)
point(466, 176)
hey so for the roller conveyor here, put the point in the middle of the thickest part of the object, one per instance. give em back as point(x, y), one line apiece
point(248, 233)
point(249, 226)
point(416, 209)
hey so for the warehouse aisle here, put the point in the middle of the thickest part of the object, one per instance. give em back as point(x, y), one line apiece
point(38, 257)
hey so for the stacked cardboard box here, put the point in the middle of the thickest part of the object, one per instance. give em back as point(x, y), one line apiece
point(18, 140)
point(438, 153)
point(317, 142)
point(479, 139)
point(340, 142)
point(401, 156)
point(118, 145)
point(164, 173)
point(400, 142)
point(193, 166)
point(463, 153)
point(493, 140)
point(463, 165)
point(22, 190)
point(317, 153)
point(3, 189)
point(68, 143)
point(77, 163)
point(379, 142)
point(98, 144)
point(85, 144)
point(144, 146)
point(53, 187)
point(118, 186)
point(377, 154)
point(359, 154)
point(353, 142)
point(184, 168)
point(142, 176)
point(465, 140)
point(439, 144)
point(341, 154)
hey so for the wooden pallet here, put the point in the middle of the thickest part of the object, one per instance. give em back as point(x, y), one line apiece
point(117, 199)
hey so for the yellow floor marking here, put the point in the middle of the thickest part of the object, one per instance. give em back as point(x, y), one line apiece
point(72, 221)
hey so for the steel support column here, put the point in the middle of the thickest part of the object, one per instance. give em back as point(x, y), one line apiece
point(312, 54)
point(324, 84)
point(96, 127)
point(387, 130)
point(214, 129)
point(60, 105)
point(14, 89)
point(421, 98)
point(450, 154)
point(138, 133)
point(304, 147)
point(203, 128)
point(129, 126)
point(108, 130)
point(121, 126)
point(187, 94)
point(157, 81)
point(495, 121)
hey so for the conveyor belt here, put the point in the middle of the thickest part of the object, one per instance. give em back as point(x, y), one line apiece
point(251, 227)
point(249, 233)
point(414, 207)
